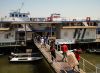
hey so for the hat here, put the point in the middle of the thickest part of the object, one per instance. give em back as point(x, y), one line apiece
point(74, 49)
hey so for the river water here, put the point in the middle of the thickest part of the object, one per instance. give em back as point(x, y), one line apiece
point(94, 58)
point(35, 67)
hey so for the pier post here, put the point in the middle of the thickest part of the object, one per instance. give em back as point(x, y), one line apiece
point(25, 35)
point(51, 30)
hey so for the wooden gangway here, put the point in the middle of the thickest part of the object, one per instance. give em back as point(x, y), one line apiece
point(59, 66)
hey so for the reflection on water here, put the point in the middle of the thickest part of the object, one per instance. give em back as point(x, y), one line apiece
point(35, 67)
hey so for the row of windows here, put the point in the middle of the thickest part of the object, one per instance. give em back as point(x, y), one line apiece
point(18, 15)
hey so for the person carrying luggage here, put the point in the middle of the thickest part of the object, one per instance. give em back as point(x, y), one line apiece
point(64, 49)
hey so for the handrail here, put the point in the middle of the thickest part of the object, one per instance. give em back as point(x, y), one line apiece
point(88, 62)
point(85, 67)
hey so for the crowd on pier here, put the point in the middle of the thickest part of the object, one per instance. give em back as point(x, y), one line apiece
point(43, 40)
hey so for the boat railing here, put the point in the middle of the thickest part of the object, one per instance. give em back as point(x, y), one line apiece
point(17, 43)
point(88, 67)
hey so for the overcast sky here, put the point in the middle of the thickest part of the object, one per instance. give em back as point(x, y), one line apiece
point(43, 8)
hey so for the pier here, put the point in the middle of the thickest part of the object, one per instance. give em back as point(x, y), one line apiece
point(58, 65)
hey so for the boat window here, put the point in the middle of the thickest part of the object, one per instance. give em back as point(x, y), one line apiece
point(23, 15)
point(95, 24)
point(6, 25)
point(12, 15)
point(20, 26)
point(16, 15)
point(23, 56)
point(22, 34)
point(23, 59)
point(20, 15)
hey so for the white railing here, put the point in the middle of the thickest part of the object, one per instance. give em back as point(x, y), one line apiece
point(88, 67)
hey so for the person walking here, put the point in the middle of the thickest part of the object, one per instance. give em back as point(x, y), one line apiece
point(77, 53)
point(64, 49)
point(42, 42)
point(52, 50)
point(45, 41)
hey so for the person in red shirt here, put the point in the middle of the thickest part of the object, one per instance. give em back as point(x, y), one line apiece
point(77, 53)
point(64, 49)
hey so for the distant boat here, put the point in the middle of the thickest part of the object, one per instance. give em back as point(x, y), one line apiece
point(1, 54)
point(24, 57)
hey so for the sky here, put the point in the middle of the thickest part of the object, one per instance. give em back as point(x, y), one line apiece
point(44, 8)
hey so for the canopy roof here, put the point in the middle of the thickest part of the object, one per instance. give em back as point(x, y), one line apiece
point(64, 41)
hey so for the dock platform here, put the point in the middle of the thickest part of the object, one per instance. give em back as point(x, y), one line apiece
point(59, 66)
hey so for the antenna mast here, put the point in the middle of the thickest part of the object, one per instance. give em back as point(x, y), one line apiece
point(21, 7)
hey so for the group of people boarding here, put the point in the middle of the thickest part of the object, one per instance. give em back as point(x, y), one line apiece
point(64, 48)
